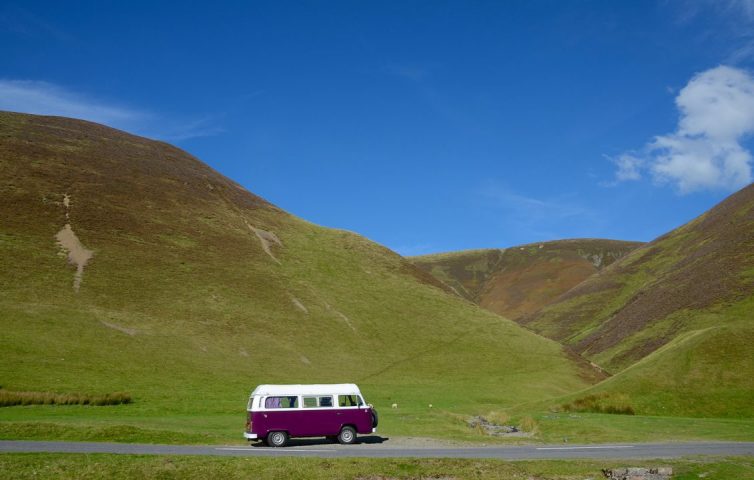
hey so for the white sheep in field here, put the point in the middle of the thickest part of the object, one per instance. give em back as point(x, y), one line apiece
point(395, 405)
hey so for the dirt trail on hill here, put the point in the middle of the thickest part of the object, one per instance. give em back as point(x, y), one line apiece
point(77, 253)
point(127, 331)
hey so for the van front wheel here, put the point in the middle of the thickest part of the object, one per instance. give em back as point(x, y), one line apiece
point(347, 435)
point(277, 439)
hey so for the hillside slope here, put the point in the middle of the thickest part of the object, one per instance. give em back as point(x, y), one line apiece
point(673, 319)
point(129, 265)
point(670, 286)
point(520, 280)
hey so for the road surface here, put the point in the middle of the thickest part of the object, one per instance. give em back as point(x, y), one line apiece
point(382, 449)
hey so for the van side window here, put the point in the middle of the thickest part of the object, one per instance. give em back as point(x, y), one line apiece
point(281, 402)
point(325, 401)
point(349, 401)
point(310, 402)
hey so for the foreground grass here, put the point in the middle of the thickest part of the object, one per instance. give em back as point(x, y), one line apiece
point(103, 466)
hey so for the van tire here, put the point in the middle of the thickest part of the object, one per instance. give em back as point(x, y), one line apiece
point(347, 435)
point(277, 439)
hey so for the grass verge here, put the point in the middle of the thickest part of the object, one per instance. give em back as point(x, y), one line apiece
point(105, 466)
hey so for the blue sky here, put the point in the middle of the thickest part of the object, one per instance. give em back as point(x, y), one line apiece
point(425, 126)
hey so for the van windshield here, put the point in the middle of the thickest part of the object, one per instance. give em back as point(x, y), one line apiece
point(349, 401)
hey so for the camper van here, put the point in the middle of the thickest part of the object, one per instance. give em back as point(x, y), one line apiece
point(279, 412)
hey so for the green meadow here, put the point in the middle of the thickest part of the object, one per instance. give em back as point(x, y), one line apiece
point(198, 290)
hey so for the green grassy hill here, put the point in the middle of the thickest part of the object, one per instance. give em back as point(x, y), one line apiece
point(129, 265)
point(520, 280)
point(702, 372)
point(675, 284)
point(673, 319)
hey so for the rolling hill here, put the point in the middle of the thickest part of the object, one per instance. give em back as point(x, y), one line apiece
point(129, 265)
point(517, 281)
point(674, 319)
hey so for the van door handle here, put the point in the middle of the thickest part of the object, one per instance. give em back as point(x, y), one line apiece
point(340, 413)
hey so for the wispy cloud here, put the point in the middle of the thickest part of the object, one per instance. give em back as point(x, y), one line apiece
point(735, 17)
point(705, 151)
point(183, 130)
point(23, 23)
point(629, 167)
point(49, 99)
point(531, 218)
point(410, 72)
point(415, 250)
point(46, 98)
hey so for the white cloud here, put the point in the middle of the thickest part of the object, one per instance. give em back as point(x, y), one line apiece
point(629, 167)
point(705, 152)
point(44, 98)
point(718, 103)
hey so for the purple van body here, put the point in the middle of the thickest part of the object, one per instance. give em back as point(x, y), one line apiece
point(301, 421)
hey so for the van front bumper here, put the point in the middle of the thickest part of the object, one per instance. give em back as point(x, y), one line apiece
point(250, 436)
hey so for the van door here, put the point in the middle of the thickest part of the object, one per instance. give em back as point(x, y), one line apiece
point(320, 416)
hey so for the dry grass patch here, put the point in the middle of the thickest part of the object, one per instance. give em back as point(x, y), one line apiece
point(10, 398)
point(603, 402)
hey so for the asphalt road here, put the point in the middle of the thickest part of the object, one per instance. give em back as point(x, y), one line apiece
point(381, 449)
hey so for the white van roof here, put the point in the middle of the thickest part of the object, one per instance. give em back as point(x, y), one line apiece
point(314, 389)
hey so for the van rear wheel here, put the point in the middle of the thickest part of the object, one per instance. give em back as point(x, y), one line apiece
point(277, 439)
point(347, 435)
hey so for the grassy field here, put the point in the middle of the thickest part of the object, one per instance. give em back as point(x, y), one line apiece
point(100, 466)
point(198, 290)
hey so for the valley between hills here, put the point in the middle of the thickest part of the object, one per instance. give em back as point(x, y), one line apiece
point(131, 268)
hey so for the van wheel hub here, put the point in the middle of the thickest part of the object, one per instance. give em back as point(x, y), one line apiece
point(347, 436)
point(277, 439)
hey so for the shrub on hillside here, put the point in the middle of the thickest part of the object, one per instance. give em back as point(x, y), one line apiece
point(528, 424)
point(604, 402)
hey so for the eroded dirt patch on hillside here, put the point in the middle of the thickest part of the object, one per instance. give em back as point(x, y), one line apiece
point(267, 239)
point(78, 255)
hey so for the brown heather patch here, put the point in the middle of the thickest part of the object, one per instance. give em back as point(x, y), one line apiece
point(518, 281)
